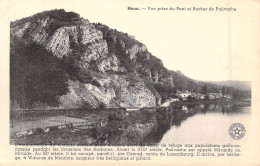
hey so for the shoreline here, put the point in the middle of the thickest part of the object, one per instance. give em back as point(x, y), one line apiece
point(214, 101)
point(221, 101)
point(102, 125)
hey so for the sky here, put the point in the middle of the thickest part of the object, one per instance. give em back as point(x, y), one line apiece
point(208, 46)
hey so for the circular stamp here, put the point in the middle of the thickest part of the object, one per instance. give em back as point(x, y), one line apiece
point(237, 131)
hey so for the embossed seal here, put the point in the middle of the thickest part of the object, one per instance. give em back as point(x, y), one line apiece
point(237, 131)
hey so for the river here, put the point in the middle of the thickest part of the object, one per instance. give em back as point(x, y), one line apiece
point(208, 124)
point(187, 124)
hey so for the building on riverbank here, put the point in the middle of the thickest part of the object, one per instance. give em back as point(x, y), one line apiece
point(183, 95)
point(214, 95)
point(200, 96)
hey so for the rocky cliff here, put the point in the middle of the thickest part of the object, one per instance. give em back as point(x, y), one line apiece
point(63, 60)
point(100, 79)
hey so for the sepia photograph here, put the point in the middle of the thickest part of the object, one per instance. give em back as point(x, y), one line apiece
point(73, 82)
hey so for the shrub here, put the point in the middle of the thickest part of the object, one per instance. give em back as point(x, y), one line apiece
point(116, 116)
point(206, 97)
point(96, 83)
point(102, 106)
point(86, 105)
point(189, 98)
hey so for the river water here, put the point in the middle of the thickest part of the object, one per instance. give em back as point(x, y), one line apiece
point(205, 123)
point(184, 125)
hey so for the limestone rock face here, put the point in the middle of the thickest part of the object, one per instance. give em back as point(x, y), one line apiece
point(39, 35)
point(86, 96)
point(60, 41)
point(133, 93)
point(20, 29)
point(95, 51)
point(90, 34)
point(86, 35)
point(127, 94)
point(137, 96)
point(83, 35)
point(109, 63)
point(78, 38)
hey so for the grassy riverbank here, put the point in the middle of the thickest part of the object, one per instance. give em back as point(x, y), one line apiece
point(94, 127)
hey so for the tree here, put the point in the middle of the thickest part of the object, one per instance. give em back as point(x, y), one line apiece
point(36, 75)
point(206, 97)
point(189, 98)
point(204, 89)
point(223, 90)
point(228, 91)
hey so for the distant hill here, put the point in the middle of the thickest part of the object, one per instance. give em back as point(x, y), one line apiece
point(240, 85)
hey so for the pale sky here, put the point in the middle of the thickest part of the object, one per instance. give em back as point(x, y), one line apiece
point(197, 43)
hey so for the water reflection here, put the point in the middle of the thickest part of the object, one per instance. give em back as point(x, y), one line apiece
point(209, 108)
point(211, 115)
point(225, 109)
point(188, 123)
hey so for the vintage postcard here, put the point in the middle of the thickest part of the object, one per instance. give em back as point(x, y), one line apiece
point(130, 82)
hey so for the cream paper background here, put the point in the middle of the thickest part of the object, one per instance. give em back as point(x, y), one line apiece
point(111, 12)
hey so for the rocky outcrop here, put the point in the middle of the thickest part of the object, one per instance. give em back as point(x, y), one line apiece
point(109, 63)
point(19, 30)
point(82, 35)
point(86, 96)
point(133, 93)
point(60, 41)
point(120, 89)
point(86, 34)
point(89, 50)
point(89, 33)
point(95, 51)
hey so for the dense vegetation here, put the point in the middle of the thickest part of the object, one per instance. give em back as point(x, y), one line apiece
point(39, 76)
point(57, 14)
point(36, 75)
point(60, 18)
